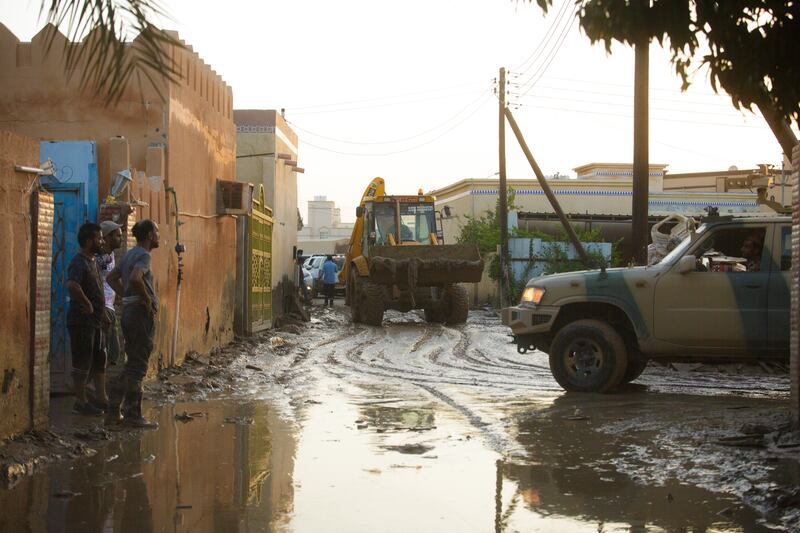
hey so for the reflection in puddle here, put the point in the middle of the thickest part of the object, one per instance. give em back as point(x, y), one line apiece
point(380, 458)
point(203, 475)
point(570, 474)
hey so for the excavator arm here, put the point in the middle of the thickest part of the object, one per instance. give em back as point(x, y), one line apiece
point(375, 189)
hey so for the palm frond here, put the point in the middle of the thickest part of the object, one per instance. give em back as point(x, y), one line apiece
point(107, 60)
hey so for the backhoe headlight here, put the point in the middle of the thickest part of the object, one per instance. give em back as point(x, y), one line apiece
point(533, 295)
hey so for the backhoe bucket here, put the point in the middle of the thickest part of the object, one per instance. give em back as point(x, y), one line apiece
point(425, 266)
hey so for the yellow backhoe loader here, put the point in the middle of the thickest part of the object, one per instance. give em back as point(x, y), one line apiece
point(397, 259)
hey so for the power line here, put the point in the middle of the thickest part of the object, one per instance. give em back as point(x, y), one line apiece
point(628, 96)
point(394, 141)
point(409, 149)
point(309, 108)
point(619, 115)
point(625, 85)
point(519, 70)
point(553, 53)
point(374, 106)
point(621, 104)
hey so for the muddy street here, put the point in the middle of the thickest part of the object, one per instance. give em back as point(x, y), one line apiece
point(423, 427)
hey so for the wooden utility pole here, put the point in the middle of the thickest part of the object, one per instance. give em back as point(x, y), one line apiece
point(503, 189)
point(641, 163)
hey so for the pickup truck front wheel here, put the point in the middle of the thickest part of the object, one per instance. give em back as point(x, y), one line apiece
point(588, 356)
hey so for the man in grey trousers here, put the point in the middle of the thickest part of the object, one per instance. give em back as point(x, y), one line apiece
point(133, 280)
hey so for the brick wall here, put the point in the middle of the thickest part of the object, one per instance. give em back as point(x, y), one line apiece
point(795, 288)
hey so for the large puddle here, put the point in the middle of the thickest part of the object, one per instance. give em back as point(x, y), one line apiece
point(377, 458)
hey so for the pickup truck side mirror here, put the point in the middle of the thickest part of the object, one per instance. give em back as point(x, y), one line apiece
point(687, 263)
point(359, 212)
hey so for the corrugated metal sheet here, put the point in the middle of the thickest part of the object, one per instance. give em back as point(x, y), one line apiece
point(527, 255)
point(41, 327)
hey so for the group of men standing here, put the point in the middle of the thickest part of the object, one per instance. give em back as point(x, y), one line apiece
point(94, 281)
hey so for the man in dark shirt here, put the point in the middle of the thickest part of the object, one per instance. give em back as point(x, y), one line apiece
point(133, 280)
point(85, 319)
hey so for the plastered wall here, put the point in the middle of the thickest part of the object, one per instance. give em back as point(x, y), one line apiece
point(20, 381)
point(181, 134)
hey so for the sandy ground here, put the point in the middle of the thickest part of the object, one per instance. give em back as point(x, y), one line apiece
point(416, 426)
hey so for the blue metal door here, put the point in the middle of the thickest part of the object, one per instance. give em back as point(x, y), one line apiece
point(68, 215)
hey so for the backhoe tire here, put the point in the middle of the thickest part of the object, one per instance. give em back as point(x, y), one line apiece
point(434, 316)
point(371, 303)
point(588, 356)
point(353, 300)
point(457, 305)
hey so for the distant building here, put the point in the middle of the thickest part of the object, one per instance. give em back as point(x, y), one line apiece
point(324, 231)
point(716, 181)
point(266, 153)
point(601, 193)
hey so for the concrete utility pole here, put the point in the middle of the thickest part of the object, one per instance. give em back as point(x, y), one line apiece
point(503, 189)
point(641, 163)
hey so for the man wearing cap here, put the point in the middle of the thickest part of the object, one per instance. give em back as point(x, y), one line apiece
point(112, 237)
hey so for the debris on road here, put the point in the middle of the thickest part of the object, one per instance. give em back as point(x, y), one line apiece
point(277, 342)
point(239, 420)
point(409, 449)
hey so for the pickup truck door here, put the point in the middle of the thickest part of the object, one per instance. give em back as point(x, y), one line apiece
point(719, 312)
point(779, 290)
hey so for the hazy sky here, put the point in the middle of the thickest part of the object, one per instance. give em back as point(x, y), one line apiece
point(403, 90)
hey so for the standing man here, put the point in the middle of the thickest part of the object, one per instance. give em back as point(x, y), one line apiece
point(328, 273)
point(85, 319)
point(133, 280)
point(112, 239)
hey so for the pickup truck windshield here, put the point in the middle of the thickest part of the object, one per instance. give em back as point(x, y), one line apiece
point(681, 248)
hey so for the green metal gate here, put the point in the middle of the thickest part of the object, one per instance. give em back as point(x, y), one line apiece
point(260, 264)
point(254, 268)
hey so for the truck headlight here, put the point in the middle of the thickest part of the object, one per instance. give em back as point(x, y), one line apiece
point(533, 295)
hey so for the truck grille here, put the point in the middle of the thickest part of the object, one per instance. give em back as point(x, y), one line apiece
point(539, 318)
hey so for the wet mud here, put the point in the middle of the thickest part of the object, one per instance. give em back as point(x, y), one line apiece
point(423, 427)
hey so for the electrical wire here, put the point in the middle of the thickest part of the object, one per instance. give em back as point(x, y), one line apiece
point(630, 105)
point(619, 115)
point(394, 141)
point(522, 69)
point(625, 85)
point(620, 95)
point(379, 101)
point(536, 76)
point(409, 149)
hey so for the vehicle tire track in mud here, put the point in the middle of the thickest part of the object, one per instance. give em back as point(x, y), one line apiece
point(426, 335)
point(498, 442)
point(527, 366)
point(410, 350)
point(355, 331)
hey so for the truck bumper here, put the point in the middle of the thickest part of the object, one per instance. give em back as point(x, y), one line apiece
point(528, 320)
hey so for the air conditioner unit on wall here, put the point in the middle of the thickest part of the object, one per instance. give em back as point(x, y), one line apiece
point(234, 197)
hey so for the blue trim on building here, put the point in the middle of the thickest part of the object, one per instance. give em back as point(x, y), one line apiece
point(577, 192)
